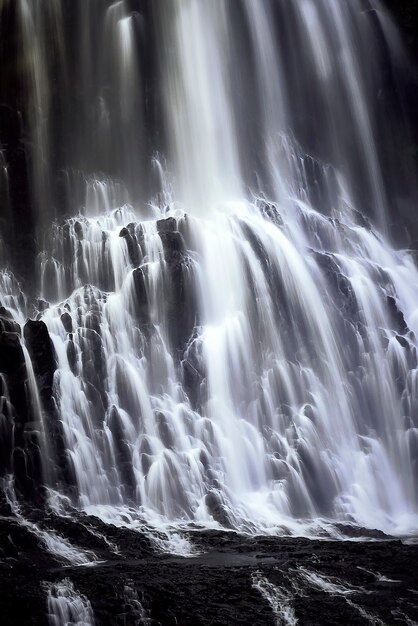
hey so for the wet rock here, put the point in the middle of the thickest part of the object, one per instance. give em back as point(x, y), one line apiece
point(93, 360)
point(44, 362)
point(42, 305)
point(42, 354)
point(192, 380)
point(72, 354)
point(167, 225)
point(181, 304)
point(7, 322)
point(213, 587)
point(67, 322)
point(27, 464)
point(346, 299)
point(403, 342)
point(193, 372)
point(26, 458)
point(361, 220)
point(271, 212)
point(217, 509)
point(5, 313)
point(141, 306)
point(6, 431)
point(12, 365)
point(128, 233)
point(165, 430)
point(397, 317)
point(78, 230)
point(123, 453)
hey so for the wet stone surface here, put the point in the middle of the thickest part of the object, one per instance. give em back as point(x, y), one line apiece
point(230, 579)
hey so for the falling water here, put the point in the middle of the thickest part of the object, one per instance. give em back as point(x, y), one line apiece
point(279, 600)
point(234, 334)
point(66, 606)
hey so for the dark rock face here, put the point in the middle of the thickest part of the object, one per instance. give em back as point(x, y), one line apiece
point(20, 424)
point(123, 453)
point(7, 322)
point(141, 306)
point(13, 396)
point(44, 362)
point(179, 288)
point(339, 284)
point(42, 354)
point(12, 360)
point(397, 316)
point(194, 375)
point(67, 322)
point(128, 233)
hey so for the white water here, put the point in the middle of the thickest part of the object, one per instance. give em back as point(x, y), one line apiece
point(58, 546)
point(279, 406)
point(252, 368)
point(66, 607)
point(279, 600)
point(337, 588)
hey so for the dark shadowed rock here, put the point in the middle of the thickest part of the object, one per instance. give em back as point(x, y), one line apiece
point(71, 353)
point(42, 354)
point(7, 322)
point(403, 342)
point(141, 307)
point(123, 453)
point(397, 317)
point(271, 212)
point(340, 284)
point(12, 365)
point(166, 225)
point(6, 431)
point(217, 509)
point(129, 235)
point(25, 455)
point(165, 430)
point(67, 322)
point(181, 304)
point(79, 232)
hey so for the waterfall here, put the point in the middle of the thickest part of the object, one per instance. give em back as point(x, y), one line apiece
point(230, 330)
point(66, 606)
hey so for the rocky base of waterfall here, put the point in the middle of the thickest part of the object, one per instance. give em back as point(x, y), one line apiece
point(55, 569)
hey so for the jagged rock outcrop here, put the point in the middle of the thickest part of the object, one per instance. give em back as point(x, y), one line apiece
point(42, 354)
point(44, 362)
point(140, 304)
point(123, 453)
point(129, 235)
point(180, 293)
point(20, 421)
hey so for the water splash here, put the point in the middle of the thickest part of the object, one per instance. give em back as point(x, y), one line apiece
point(337, 588)
point(279, 600)
point(67, 606)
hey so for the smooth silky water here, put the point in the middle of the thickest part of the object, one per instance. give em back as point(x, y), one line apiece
point(235, 341)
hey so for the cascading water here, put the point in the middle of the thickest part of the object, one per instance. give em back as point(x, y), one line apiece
point(242, 346)
point(65, 606)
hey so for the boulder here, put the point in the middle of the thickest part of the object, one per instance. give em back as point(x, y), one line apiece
point(67, 322)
